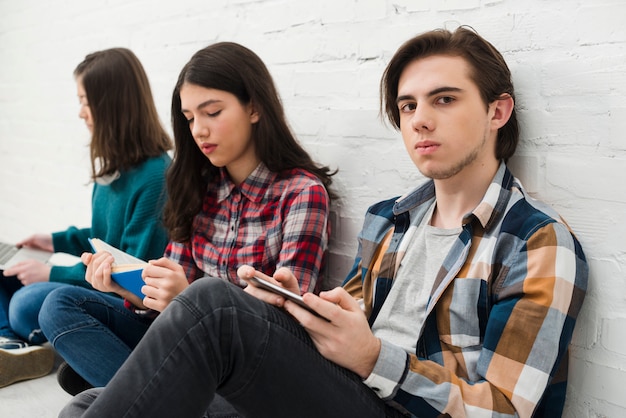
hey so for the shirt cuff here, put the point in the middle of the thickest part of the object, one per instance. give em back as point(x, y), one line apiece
point(388, 371)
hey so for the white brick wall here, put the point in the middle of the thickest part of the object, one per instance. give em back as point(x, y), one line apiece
point(569, 63)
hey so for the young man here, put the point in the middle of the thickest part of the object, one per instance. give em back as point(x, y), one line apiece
point(461, 302)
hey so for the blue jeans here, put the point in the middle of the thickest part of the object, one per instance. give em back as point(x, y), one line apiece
point(215, 338)
point(24, 310)
point(8, 287)
point(91, 330)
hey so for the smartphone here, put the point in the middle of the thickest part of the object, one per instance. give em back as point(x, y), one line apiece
point(281, 291)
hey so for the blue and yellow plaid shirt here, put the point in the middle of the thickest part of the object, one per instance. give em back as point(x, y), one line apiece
point(501, 312)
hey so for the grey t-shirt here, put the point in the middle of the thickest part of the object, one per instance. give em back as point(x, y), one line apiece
point(401, 317)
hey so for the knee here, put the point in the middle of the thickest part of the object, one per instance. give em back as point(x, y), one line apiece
point(79, 404)
point(29, 299)
point(210, 291)
point(18, 302)
point(55, 302)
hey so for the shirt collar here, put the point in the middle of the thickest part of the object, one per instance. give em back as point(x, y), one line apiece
point(487, 212)
point(253, 187)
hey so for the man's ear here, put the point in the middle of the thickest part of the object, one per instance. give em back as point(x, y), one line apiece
point(502, 109)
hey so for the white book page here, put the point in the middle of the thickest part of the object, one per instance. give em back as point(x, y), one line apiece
point(121, 257)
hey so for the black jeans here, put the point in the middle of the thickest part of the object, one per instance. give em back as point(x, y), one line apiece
point(215, 338)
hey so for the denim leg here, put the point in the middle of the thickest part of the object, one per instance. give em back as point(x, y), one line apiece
point(214, 337)
point(8, 287)
point(92, 331)
point(24, 310)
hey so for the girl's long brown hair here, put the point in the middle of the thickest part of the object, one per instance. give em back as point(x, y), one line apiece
point(235, 69)
point(126, 125)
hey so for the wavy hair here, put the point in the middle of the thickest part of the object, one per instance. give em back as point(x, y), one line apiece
point(233, 68)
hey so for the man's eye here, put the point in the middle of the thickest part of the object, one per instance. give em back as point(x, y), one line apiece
point(445, 100)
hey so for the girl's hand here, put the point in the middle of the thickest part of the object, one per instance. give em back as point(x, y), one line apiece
point(165, 279)
point(98, 275)
point(282, 277)
point(29, 272)
point(38, 242)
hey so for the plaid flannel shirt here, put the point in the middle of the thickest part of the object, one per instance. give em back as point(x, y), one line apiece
point(500, 315)
point(270, 220)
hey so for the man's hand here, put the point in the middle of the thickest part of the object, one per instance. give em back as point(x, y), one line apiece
point(29, 272)
point(347, 339)
point(165, 279)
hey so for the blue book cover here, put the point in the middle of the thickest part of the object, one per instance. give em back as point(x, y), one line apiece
point(126, 270)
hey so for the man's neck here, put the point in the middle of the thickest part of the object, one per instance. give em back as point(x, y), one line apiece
point(460, 194)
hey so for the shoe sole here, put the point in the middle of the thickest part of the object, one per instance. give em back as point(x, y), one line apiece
point(70, 381)
point(24, 363)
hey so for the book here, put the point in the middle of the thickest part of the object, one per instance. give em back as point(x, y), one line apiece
point(125, 270)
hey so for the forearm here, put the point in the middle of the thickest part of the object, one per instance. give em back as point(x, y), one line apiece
point(74, 275)
point(72, 241)
point(305, 236)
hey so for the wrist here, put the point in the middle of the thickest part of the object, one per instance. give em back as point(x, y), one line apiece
point(371, 358)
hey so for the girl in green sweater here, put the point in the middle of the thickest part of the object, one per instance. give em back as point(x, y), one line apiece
point(129, 159)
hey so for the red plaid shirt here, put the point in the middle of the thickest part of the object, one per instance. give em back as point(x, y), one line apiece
point(271, 220)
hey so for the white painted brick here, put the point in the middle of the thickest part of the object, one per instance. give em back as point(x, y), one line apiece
point(412, 5)
point(452, 5)
point(609, 13)
point(614, 335)
point(369, 10)
point(601, 382)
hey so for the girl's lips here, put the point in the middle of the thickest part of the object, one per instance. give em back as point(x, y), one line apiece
point(208, 148)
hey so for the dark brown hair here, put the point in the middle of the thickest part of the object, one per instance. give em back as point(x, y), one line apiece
point(237, 70)
point(488, 70)
point(126, 125)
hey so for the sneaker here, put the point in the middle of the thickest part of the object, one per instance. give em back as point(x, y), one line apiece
point(7, 343)
point(24, 363)
point(70, 381)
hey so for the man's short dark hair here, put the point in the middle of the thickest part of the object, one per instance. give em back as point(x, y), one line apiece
point(489, 71)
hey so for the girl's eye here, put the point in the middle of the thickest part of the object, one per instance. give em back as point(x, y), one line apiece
point(407, 107)
point(214, 114)
point(190, 121)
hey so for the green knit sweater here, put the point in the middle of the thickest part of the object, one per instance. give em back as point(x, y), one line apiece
point(126, 213)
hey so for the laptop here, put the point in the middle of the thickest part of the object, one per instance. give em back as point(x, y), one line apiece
point(10, 255)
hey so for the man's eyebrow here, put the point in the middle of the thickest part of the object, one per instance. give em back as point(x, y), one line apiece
point(203, 104)
point(404, 97)
point(431, 93)
point(445, 90)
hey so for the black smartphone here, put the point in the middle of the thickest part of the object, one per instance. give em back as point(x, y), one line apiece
point(281, 291)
